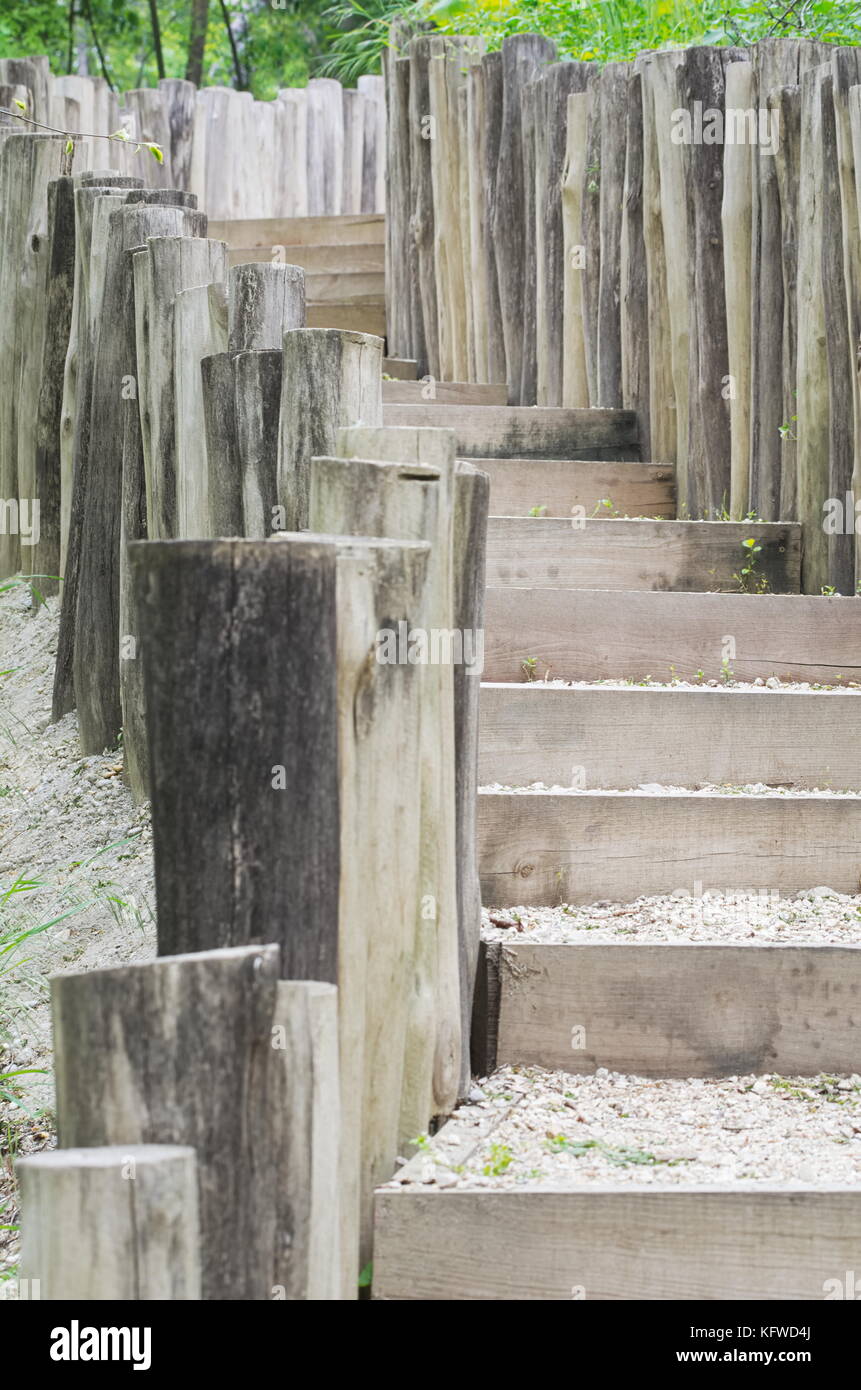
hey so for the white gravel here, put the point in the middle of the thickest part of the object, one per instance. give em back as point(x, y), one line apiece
point(817, 916)
point(760, 789)
point(529, 1127)
point(771, 683)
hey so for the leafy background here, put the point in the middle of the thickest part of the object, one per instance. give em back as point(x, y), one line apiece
point(261, 45)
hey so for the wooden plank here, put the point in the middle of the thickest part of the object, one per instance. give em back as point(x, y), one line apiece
point(110, 1224)
point(785, 108)
point(443, 393)
point(689, 738)
point(345, 230)
point(492, 70)
point(360, 316)
point(583, 634)
point(400, 368)
point(575, 383)
point(544, 848)
point(613, 103)
point(747, 1241)
point(337, 286)
point(736, 222)
point(328, 258)
point(560, 485)
point(523, 431)
point(634, 287)
point(684, 556)
point(667, 1010)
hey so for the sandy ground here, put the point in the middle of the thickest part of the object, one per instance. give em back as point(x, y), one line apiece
point(74, 852)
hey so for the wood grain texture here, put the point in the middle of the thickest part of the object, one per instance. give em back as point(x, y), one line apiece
point(560, 485)
point(613, 99)
point(698, 556)
point(267, 232)
point(263, 301)
point(736, 225)
point(443, 393)
point(257, 377)
point(634, 288)
point(681, 1010)
point(687, 738)
point(139, 1056)
point(111, 1224)
point(231, 629)
point(595, 635)
point(200, 330)
point(543, 848)
point(522, 431)
point(751, 1241)
point(575, 382)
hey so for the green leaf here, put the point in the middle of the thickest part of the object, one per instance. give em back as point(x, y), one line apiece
point(21, 104)
point(70, 146)
point(156, 152)
point(366, 1276)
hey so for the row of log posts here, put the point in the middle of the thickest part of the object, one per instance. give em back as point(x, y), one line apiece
point(678, 235)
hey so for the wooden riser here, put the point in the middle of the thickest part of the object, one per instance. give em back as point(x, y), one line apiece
point(685, 556)
point(598, 635)
point(636, 489)
point(400, 368)
point(267, 232)
point(361, 316)
point(526, 431)
point(675, 1010)
point(688, 738)
point(363, 258)
point(444, 393)
point(751, 1241)
point(542, 849)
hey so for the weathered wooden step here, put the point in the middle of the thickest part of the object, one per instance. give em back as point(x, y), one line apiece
point(588, 634)
point(527, 431)
point(443, 393)
point(364, 315)
point(544, 848)
point(458, 1227)
point(401, 368)
point(265, 232)
point(620, 738)
point(361, 258)
point(686, 556)
point(673, 1010)
point(518, 486)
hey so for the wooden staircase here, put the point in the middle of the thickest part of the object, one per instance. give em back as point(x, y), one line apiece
point(612, 792)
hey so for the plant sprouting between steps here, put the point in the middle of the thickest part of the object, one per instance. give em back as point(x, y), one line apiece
point(749, 580)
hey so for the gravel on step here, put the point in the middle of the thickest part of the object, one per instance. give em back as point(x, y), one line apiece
point(760, 789)
point(814, 917)
point(530, 1127)
point(759, 684)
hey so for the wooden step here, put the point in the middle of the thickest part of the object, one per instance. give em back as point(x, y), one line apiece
point(620, 738)
point(527, 431)
point(519, 485)
point(365, 258)
point(266, 232)
point(444, 393)
point(623, 1241)
point(400, 368)
point(545, 848)
point(673, 1010)
point(686, 556)
point(587, 634)
point(358, 315)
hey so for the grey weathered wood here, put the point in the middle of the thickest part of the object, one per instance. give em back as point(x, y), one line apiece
point(179, 98)
point(613, 89)
point(138, 1056)
point(854, 103)
point(847, 73)
point(604, 553)
point(560, 486)
point(325, 146)
point(523, 56)
point(400, 245)
point(575, 382)
point(257, 377)
point(475, 160)
point(111, 1224)
point(264, 301)
point(231, 629)
point(741, 1241)
point(373, 87)
point(736, 225)
point(590, 234)
point(444, 392)
point(491, 67)
point(615, 737)
point(27, 164)
point(589, 635)
point(331, 378)
point(523, 431)
point(633, 278)
point(785, 106)
point(223, 474)
point(544, 849)
point(677, 1010)
point(662, 419)
point(527, 392)
point(353, 116)
point(485, 1014)
point(149, 106)
point(44, 557)
point(199, 331)
point(266, 232)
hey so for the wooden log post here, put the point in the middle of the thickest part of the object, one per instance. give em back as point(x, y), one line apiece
point(411, 98)
point(812, 385)
point(180, 103)
point(199, 331)
point(373, 89)
point(553, 90)
point(43, 558)
point(140, 1059)
point(325, 147)
point(354, 150)
point(575, 381)
point(473, 149)
point(265, 299)
point(846, 70)
point(331, 378)
point(399, 242)
point(257, 377)
point(27, 164)
point(96, 654)
point(523, 56)
point(112, 1224)
point(736, 226)
point(223, 480)
point(662, 419)
point(613, 98)
point(152, 124)
point(528, 389)
point(237, 625)
point(491, 67)
point(634, 305)
point(854, 102)
point(464, 212)
point(590, 235)
point(784, 105)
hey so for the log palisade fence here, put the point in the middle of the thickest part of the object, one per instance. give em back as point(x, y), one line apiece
point(226, 1110)
point(548, 228)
